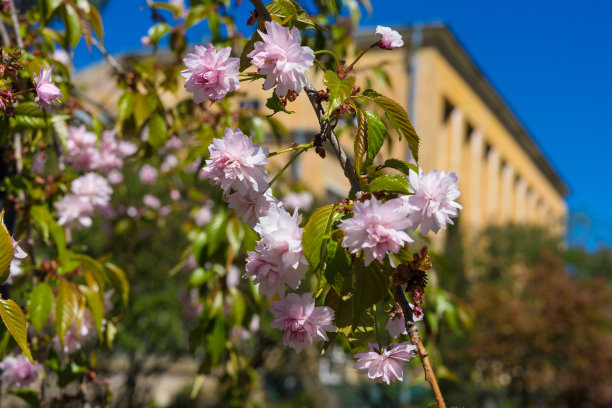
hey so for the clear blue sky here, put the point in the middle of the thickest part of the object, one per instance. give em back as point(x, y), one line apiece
point(550, 61)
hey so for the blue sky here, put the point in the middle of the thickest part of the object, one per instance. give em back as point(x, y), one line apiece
point(549, 60)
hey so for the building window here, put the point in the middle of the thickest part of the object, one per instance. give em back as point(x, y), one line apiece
point(448, 109)
point(249, 104)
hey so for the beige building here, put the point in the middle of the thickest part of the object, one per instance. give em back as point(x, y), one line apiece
point(464, 126)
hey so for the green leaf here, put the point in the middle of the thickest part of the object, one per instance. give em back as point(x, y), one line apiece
point(73, 26)
point(274, 103)
point(398, 118)
point(95, 20)
point(360, 145)
point(51, 6)
point(391, 182)
point(197, 14)
point(119, 280)
point(215, 232)
point(66, 306)
point(15, 322)
point(6, 247)
point(376, 135)
point(337, 266)
point(245, 61)
point(176, 12)
point(125, 107)
point(343, 312)
point(215, 341)
point(29, 115)
point(142, 109)
point(40, 305)
point(339, 91)
point(317, 227)
point(47, 224)
point(158, 31)
point(298, 17)
point(371, 285)
point(158, 133)
point(401, 165)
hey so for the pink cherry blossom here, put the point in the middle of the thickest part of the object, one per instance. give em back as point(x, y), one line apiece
point(211, 74)
point(147, 174)
point(115, 177)
point(151, 201)
point(74, 211)
point(170, 162)
point(113, 151)
point(302, 322)
point(376, 228)
point(282, 58)
point(271, 274)
point(301, 201)
point(62, 56)
point(432, 204)
point(94, 188)
point(82, 152)
point(390, 38)
point(202, 216)
point(396, 324)
point(281, 234)
point(251, 205)
point(18, 372)
point(46, 91)
point(237, 163)
point(386, 366)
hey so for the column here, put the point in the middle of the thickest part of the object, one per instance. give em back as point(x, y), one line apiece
point(475, 209)
point(493, 164)
point(521, 200)
point(507, 196)
point(532, 201)
point(456, 138)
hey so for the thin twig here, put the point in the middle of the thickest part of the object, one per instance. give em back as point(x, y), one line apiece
point(109, 58)
point(16, 24)
point(6, 39)
point(413, 332)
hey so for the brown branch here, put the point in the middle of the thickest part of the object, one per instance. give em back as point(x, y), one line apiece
point(326, 129)
point(413, 332)
point(109, 58)
point(349, 172)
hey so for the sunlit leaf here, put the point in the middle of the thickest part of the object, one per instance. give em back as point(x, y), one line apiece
point(391, 182)
point(6, 247)
point(398, 118)
point(66, 306)
point(339, 91)
point(15, 322)
point(40, 305)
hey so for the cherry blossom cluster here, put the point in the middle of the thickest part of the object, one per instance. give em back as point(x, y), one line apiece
point(46, 91)
point(278, 264)
point(238, 166)
point(377, 228)
point(91, 190)
point(211, 74)
point(18, 372)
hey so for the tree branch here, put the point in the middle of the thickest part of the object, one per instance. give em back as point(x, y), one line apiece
point(6, 39)
point(326, 128)
point(413, 332)
point(351, 175)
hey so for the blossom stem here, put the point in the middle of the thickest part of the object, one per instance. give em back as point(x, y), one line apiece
point(319, 64)
point(413, 332)
point(348, 69)
point(285, 167)
point(292, 149)
point(330, 53)
point(24, 91)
